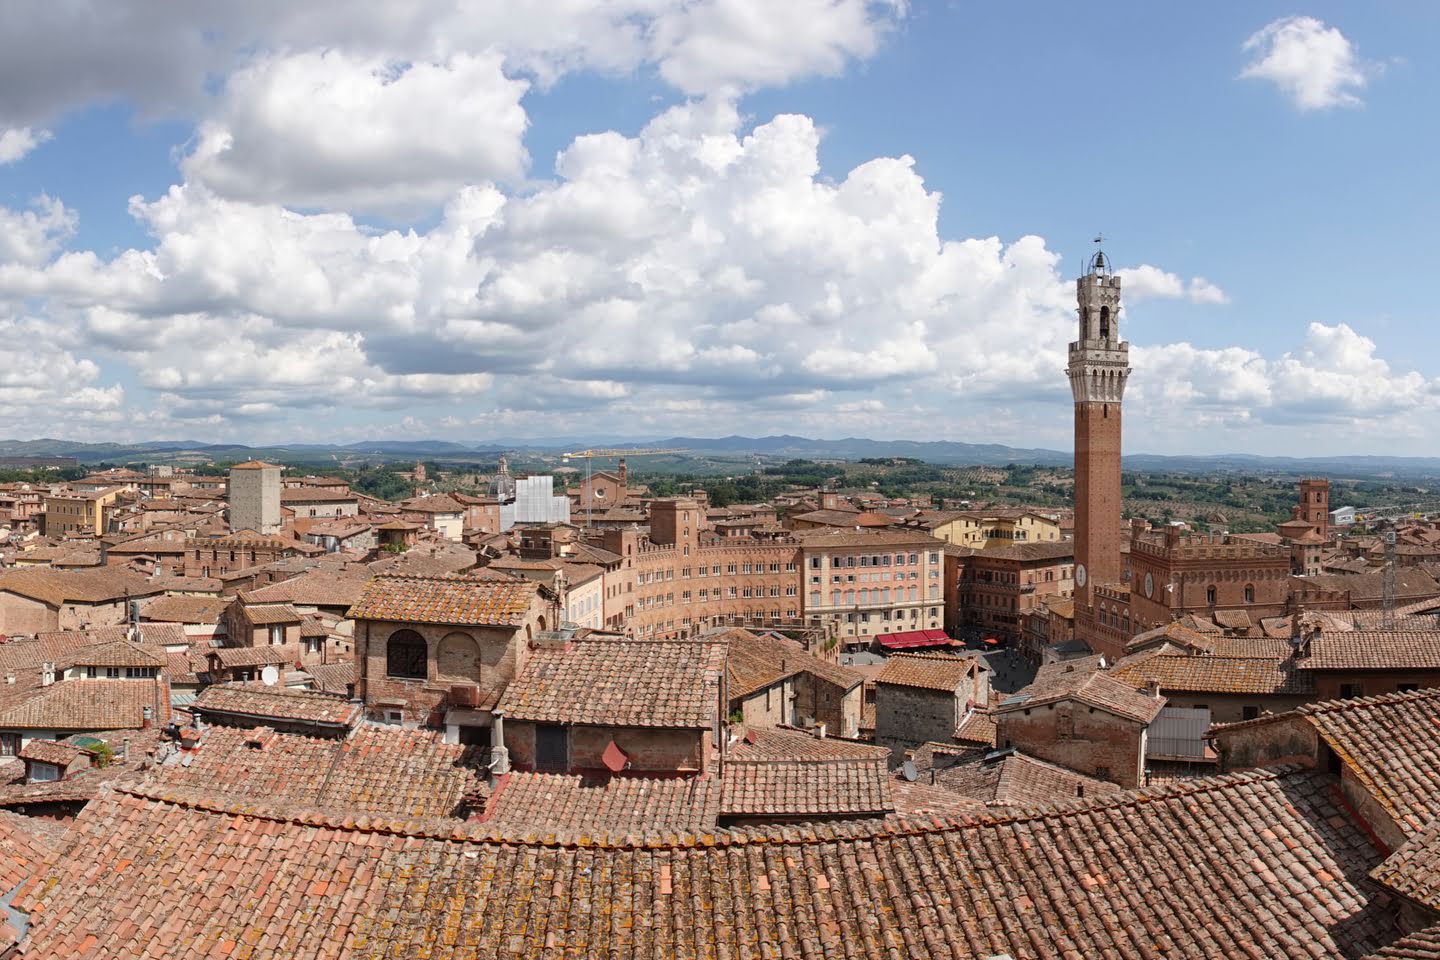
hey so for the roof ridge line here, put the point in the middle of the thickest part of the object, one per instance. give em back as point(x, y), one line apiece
point(781, 835)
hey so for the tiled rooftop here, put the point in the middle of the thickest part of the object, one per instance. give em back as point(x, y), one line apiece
point(772, 743)
point(1375, 650)
point(1206, 673)
point(73, 705)
point(24, 844)
point(627, 683)
point(468, 601)
point(49, 751)
point(757, 661)
point(1392, 743)
point(1259, 865)
point(200, 610)
point(547, 804)
point(1420, 945)
point(380, 770)
point(252, 656)
point(1091, 688)
point(271, 613)
point(277, 703)
point(117, 653)
point(1012, 779)
point(806, 788)
point(1413, 870)
point(926, 670)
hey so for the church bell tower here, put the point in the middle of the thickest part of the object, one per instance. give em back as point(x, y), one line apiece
point(1099, 366)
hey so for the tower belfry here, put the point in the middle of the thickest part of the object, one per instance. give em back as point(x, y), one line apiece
point(1099, 366)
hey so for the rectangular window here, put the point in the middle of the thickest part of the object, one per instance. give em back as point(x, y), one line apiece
point(814, 563)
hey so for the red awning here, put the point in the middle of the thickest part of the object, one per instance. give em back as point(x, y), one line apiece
point(911, 639)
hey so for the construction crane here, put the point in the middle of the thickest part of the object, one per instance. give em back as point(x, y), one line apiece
point(589, 455)
point(1387, 584)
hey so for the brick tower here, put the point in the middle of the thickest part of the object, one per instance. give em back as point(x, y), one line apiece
point(1099, 366)
point(1315, 505)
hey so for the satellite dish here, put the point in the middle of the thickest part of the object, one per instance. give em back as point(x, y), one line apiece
point(909, 771)
point(270, 676)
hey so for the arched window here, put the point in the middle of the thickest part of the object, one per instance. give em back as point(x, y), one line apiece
point(1249, 593)
point(1104, 323)
point(458, 657)
point(405, 655)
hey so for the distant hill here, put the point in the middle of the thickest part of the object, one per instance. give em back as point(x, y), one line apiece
point(785, 446)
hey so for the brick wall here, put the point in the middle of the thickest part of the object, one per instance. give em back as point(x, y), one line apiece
point(650, 750)
point(498, 654)
point(1080, 737)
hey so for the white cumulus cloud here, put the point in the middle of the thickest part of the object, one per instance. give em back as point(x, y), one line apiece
point(329, 129)
point(1146, 282)
point(16, 142)
point(1315, 65)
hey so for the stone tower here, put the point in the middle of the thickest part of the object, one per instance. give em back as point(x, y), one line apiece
point(1099, 366)
point(254, 494)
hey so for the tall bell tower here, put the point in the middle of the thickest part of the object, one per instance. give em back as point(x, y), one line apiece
point(1099, 366)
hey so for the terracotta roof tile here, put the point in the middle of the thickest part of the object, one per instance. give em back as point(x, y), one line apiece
point(198, 610)
point(117, 653)
point(758, 660)
point(777, 743)
point(271, 613)
point(74, 705)
point(1275, 860)
point(1010, 778)
point(412, 774)
point(628, 683)
point(252, 656)
point(1091, 688)
point(24, 845)
point(276, 703)
point(806, 788)
point(449, 600)
point(333, 677)
point(544, 804)
point(1374, 650)
point(1212, 674)
point(49, 751)
point(930, 671)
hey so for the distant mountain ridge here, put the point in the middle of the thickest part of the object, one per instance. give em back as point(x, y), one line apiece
point(945, 452)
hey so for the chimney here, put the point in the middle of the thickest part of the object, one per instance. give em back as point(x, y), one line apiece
point(47, 674)
point(1153, 689)
point(819, 731)
point(147, 717)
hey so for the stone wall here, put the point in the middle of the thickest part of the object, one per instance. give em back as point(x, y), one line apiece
point(906, 717)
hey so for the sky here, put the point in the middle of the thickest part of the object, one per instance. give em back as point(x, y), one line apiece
point(472, 219)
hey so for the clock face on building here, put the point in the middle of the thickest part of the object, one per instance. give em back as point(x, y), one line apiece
point(1080, 575)
point(1150, 585)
